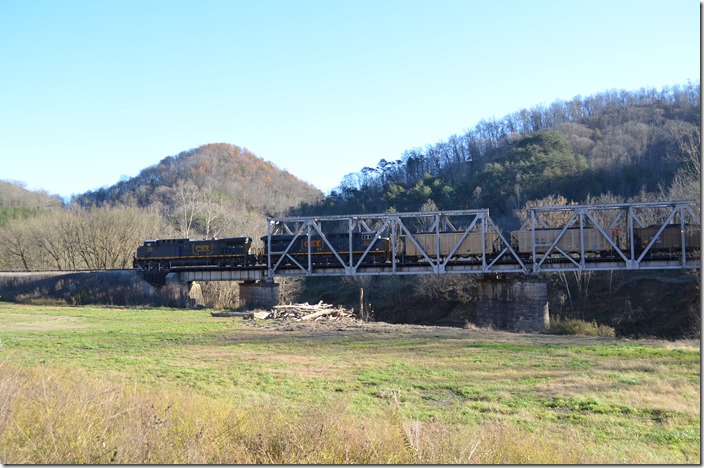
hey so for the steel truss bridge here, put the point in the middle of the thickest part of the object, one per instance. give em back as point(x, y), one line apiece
point(627, 236)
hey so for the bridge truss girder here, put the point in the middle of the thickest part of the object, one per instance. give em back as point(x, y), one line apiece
point(399, 228)
point(621, 226)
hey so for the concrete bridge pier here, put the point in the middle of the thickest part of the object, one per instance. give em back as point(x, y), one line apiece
point(517, 304)
point(195, 294)
point(187, 293)
point(259, 294)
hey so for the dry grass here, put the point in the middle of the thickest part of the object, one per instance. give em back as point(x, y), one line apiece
point(560, 326)
point(51, 417)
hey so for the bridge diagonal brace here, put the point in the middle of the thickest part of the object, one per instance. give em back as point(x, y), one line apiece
point(448, 224)
point(579, 265)
point(464, 236)
point(508, 247)
point(285, 253)
point(635, 218)
point(306, 270)
point(421, 249)
point(371, 244)
point(537, 266)
point(364, 225)
point(327, 242)
point(695, 217)
point(620, 215)
point(435, 227)
point(607, 236)
point(488, 266)
point(657, 235)
point(543, 223)
point(281, 226)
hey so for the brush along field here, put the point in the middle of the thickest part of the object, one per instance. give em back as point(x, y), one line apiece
point(100, 385)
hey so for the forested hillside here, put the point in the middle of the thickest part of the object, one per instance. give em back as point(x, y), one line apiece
point(213, 190)
point(616, 145)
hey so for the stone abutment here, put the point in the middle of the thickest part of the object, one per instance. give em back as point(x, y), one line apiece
point(518, 304)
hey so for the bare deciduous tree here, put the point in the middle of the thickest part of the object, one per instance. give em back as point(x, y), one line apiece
point(362, 282)
point(447, 287)
point(289, 289)
point(16, 246)
point(101, 238)
point(552, 219)
point(187, 196)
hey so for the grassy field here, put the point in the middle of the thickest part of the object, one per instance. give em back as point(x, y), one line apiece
point(99, 385)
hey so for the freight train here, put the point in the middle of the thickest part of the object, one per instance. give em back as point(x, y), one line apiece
point(373, 249)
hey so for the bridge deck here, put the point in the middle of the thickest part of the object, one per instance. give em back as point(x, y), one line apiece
point(260, 273)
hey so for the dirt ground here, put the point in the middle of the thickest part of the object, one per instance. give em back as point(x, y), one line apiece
point(358, 328)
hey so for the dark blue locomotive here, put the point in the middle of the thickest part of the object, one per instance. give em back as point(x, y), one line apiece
point(166, 254)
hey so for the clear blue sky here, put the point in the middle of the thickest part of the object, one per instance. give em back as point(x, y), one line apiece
point(91, 91)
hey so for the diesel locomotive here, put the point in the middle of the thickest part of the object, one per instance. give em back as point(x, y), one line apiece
point(167, 254)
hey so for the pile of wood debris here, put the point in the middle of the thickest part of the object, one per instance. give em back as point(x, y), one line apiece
point(305, 312)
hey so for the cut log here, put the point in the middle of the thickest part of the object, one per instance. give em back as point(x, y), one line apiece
point(231, 314)
point(316, 314)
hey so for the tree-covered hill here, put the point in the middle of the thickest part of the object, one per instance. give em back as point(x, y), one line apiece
point(617, 144)
point(212, 190)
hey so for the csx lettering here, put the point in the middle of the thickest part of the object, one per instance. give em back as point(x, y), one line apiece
point(202, 249)
point(314, 244)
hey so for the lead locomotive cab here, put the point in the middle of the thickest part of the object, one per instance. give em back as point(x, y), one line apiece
point(166, 254)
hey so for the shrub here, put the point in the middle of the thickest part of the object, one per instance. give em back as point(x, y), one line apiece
point(560, 326)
